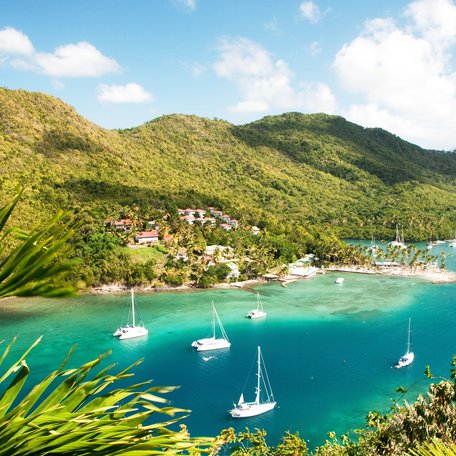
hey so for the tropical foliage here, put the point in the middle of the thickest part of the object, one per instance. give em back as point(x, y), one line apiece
point(29, 261)
point(83, 411)
point(281, 172)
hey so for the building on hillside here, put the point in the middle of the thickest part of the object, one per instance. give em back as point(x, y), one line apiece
point(189, 211)
point(225, 226)
point(233, 222)
point(182, 254)
point(210, 220)
point(190, 219)
point(147, 237)
point(200, 213)
point(123, 225)
point(255, 230)
point(225, 217)
point(167, 238)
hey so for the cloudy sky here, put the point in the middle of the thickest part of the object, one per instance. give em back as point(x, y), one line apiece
point(120, 63)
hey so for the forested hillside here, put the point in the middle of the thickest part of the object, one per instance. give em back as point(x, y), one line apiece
point(279, 172)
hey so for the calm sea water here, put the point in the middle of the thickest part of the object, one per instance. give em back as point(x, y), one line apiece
point(329, 349)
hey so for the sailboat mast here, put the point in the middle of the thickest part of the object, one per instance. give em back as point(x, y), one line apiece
point(257, 399)
point(408, 338)
point(133, 308)
point(213, 320)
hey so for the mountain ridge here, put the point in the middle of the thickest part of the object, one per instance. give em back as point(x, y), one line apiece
point(308, 169)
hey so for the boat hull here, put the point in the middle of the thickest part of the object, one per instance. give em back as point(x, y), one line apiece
point(210, 343)
point(256, 314)
point(248, 409)
point(131, 332)
point(405, 360)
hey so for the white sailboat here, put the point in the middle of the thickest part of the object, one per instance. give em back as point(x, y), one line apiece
point(398, 242)
point(133, 330)
point(409, 356)
point(213, 342)
point(247, 409)
point(259, 311)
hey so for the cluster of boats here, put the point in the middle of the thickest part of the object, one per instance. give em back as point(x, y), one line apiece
point(264, 399)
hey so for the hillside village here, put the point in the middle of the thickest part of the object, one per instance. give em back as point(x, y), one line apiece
point(231, 264)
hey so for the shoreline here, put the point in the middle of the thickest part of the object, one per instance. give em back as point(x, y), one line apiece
point(436, 276)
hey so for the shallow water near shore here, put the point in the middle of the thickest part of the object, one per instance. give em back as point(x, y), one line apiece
point(329, 348)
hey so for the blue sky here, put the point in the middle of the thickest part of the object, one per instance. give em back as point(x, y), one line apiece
point(121, 63)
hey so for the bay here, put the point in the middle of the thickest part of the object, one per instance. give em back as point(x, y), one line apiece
point(329, 349)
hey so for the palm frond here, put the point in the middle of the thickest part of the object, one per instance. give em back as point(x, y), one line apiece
point(34, 265)
point(83, 414)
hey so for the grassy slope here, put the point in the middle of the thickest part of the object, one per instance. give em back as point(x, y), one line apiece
point(294, 168)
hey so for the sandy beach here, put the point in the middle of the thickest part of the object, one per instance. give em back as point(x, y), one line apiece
point(432, 275)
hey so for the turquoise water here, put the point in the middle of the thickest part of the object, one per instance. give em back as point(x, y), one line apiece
point(329, 348)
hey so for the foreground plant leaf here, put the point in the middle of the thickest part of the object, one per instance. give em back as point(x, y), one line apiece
point(79, 412)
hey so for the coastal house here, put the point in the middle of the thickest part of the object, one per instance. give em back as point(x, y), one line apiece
point(234, 273)
point(147, 237)
point(270, 277)
point(302, 270)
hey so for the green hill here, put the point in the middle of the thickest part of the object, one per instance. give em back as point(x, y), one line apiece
point(281, 171)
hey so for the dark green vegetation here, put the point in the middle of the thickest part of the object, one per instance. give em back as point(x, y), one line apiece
point(303, 179)
point(282, 171)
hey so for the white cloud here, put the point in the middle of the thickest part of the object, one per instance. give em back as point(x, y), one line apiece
point(128, 93)
point(310, 11)
point(72, 60)
point(402, 74)
point(435, 20)
point(76, 60)
point(265, 83)
point(14, 42)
